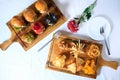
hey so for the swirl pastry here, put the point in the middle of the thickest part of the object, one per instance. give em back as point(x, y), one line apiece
point(93, 51)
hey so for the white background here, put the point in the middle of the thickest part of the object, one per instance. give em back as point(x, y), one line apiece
point(16, 64)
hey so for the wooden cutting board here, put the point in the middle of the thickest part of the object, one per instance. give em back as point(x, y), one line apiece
point(99, 61)
point(16, 35)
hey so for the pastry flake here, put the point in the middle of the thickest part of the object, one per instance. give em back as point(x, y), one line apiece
point(59, 61)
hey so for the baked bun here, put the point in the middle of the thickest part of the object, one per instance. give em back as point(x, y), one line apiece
point(41, 6)
point(17, 21)
point(30, 15)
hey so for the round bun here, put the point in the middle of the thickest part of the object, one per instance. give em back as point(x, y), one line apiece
point(41, 6)
point(29, 15)
point(17, 21)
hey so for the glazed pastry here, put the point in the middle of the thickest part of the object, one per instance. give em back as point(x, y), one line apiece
point(30, 15)
point(93, 51)
point(28, 37)
point(17, 22)
point(41, 6)
point(59, 61)
point(72, 67)
point(89, 67)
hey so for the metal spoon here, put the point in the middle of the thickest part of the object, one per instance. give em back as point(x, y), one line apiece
point(103, 34)
point(55, 36)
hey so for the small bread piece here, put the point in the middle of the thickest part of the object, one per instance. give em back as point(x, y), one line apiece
point(41, 6)
point(79, 61)
point(89, 67)
point(59, 61)
point(72, 67)
point(29, 15)
point(79, 64)
point(17, 21)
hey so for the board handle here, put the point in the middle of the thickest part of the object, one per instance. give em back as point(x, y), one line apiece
point(112, 64)
point(7, 43)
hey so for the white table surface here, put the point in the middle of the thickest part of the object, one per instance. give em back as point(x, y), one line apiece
point(17, 64)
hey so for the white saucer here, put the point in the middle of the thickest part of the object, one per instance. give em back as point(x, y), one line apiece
point(94, 25)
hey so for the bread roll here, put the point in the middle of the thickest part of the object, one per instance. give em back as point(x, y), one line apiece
point(30, 15)
point(41, 6)
point(17, 21)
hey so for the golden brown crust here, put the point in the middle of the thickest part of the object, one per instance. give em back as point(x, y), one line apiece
point(41, 6)
point(30, 15)
point(17, 21)
point(72, 67)
point(59, 61)
point(89, 67)
point(70, 60)
point(93, 51)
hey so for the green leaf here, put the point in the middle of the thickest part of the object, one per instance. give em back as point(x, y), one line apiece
point(76, 18)
point(17, 28)
point(86, 13)
point(90, 8)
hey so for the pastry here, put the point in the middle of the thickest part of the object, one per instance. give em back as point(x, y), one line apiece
point(93, 51)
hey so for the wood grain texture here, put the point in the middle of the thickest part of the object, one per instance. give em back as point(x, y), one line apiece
point(16, 35)
point(111, 64)
point(99, 61)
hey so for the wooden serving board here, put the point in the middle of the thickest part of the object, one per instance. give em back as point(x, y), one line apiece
point(99, 61)
point(16, 35)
